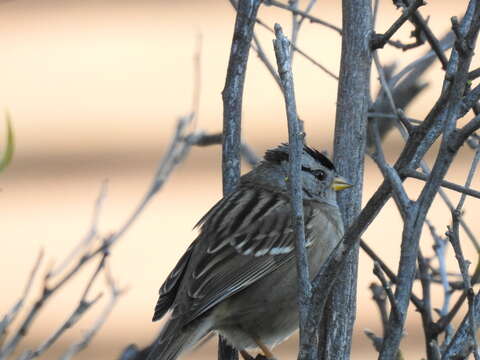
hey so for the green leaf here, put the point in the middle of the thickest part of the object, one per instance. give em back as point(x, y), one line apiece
point(8, 152)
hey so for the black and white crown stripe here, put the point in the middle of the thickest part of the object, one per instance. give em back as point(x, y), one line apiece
point(281, 154)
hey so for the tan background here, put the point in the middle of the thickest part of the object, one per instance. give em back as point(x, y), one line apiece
point(95, 87)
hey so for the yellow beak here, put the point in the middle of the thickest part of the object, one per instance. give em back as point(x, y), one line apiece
point(339, 183)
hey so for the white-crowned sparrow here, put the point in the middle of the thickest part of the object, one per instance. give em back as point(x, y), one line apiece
point(238, 277)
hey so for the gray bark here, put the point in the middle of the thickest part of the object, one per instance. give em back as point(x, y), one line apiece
point(232, 95)
point(349, 148)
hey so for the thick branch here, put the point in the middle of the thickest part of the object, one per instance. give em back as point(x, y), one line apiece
point(232, 95)
point(349, 148)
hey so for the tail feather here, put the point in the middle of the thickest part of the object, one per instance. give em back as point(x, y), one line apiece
point(174, 339)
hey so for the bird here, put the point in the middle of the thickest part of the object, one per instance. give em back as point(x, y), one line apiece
point(238, 277)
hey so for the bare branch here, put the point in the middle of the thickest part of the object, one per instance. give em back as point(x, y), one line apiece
point(377, 341)
point(89, 237)
point(115, 293)
point(446, 184)
point(439, 248)
point(427, 316)
point(309, 7)
point(232, 95)
point(392, 277)
point(12, 314)
point(418, 20)
point(353, 101)
point(295, 137)
point(294, 47)
point(457, 70)
point(197, 80)
point(263, 57)
point(233, 92)
point(378, 41)
point(82, 307)
point(461, 346)
point(295, 25)
point(304, 14)
point(380, 298)
point(453, 235)
point(389, 173)
point(395, 110)
point(379, 274)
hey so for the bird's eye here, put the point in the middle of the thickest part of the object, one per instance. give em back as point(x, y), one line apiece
point(319, 174)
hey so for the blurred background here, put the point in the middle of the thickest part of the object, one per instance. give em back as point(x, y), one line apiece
point(95, 87)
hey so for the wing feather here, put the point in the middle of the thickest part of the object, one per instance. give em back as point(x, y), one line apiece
point(168, 290)
point(243, 238)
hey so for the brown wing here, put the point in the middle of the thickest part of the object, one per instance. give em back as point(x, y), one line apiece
point(244, 238)
point(168, 290)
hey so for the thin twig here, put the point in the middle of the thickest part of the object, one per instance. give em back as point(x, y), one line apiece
point(395, 110)
point(82, 307)
point(197, 80)
point(404, 134)
point(420, 63)
point(453, 235)
point(391, 275)
point(309, 7)
point(377, 271)
point(446, 184)
point(263, 57)
point(295, 138)
point(89, 237)
point(380, 298)
point(427, 316)
point(376, 6)
point(295, 25)
point(389, 173)
point(377, 341)
point(115, 293)
point(440, 250)
point(305, 14)
point(12, 314)
point(461, 346)
point(378, 41)
point(175, 154)
point(418, 20)
point(448, 202)
point(468, 182)
point(294, 47)
point(392, 116)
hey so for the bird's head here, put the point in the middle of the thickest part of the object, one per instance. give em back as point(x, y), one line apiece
point(320, 180)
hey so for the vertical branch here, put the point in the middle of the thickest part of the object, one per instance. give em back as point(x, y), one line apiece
point(295, 139)
point(232, 112)
point(233, 91)
point(349, 148)
point(295, 24)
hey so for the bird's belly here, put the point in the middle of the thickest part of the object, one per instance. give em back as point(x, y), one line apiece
point(277, 320)
point(239, 317)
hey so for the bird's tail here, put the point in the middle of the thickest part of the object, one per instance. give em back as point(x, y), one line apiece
point(174, 340)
